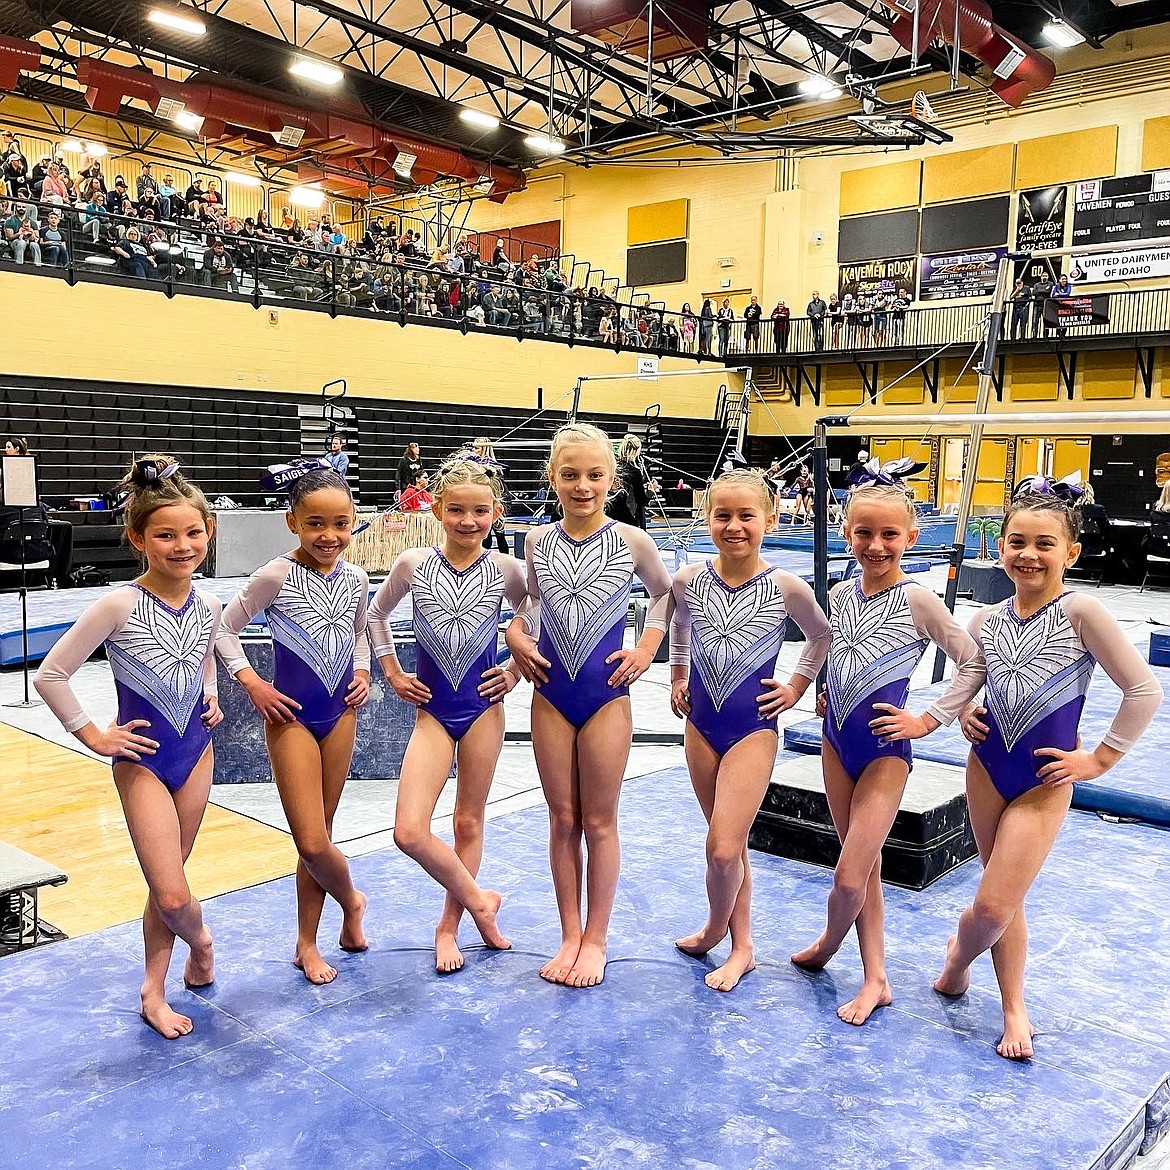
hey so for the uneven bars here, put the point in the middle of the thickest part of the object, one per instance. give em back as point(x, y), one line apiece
point(948, 419)
point(721, 372)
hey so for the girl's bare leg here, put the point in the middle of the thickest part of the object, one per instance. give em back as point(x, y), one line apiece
point(554, 742)
point(310, 777)
point(425, 771)
point(732, 788)
point(862, 815)
point(1022, 836)
point(603, 747)
point(162, 828)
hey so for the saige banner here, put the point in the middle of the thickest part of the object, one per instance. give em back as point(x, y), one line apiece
point(962, 274)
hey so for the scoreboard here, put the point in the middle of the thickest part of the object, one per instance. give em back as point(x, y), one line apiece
point(1116, 211)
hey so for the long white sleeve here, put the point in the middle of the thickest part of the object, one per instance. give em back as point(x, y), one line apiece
point(260, 591)
point(933, 620)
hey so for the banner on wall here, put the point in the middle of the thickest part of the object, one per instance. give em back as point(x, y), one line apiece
point(1040, 220)
point(1069, 312)
point(1116, 211)
point(961, 274)
point(1138, 264)
point(873, 276)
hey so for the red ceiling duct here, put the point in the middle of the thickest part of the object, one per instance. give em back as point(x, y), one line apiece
point(1019, 70)
point(17, 56)
point(679, 27)
point(348, 133)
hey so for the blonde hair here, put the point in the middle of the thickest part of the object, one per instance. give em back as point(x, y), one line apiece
point(630, 449)
point(580, 433)
point(154, 482)
point(1163, 504)
point(882, 493)
point(746, 478)
point(457, 473)
point(483, 446)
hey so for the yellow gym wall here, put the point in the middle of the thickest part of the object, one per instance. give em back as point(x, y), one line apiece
point(112, 332)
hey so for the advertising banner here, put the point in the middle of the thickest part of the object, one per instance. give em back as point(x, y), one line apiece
point(1040, 220)
point(1137, 264)
point(871, 276)
point(1068, 312)
point(960, 274)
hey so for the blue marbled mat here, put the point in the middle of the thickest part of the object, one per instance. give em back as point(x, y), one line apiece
point(392, 1065)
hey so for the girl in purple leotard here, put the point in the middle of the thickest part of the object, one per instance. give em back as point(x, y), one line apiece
point(730, 617)
point(882, 623)
point(569, 644)
point(1041, 648)
point(457, 592)
point(159, 634)
point(316, 607)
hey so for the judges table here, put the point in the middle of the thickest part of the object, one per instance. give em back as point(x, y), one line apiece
point(246, 538)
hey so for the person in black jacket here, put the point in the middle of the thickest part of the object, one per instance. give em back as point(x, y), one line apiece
point(632, 485)
point(409, 467)
point(751, 327)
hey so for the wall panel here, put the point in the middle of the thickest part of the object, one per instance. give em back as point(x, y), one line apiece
point(968, 173)
point(880, 188)
point(1064, 158)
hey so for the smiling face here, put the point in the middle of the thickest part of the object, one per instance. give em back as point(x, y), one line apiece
point(582, 476)
point(738, 516)
point(467, 513)
point(879, 532)
point(173, 541)
point(1036, 550)
point(323, 522)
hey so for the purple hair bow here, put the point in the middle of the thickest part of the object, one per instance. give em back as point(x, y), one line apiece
point(1068, 490)
point(892, 474)
point(281, 475)
point(148, 470)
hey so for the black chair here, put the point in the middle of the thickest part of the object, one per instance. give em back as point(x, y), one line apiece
point(1096, 542)
point(1157, 548)
point(30, 538)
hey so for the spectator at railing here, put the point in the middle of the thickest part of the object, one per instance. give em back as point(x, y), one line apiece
point(132, 255)
point(781, 324)
point(816, 315)
point(169, 258)
point(1021, 298)
point(52, 240)
point(899, 305)
point(863, 308)
point(881, 317)
point(724, 319)
point(689, 329)
point(751, 324)
point(218, 269)
point(21, 236)
point(1041, 291)
point(706, 326)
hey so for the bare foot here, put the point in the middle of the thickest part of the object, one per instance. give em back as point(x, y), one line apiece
point(702, 941)
point(448, 956)
point(200, 969)
point(1016, 1043)
point(310, 961)
point(164, 1019)
point(589, 969)
point(951, 982)
point(815, 957)
point(352, 937)
point(557, 969)
point(874, 994)
point(485, 923)
point(738, 964)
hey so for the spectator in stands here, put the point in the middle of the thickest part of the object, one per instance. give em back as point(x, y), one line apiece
point(145, 181)
point(52, 240)
point(864, 309)
point(706, 326)
point(1063, 286)
point(195, 198)
point(898, 307)
point(302, 281)
point(1041, 291)
point(416, 498)
point(494, 313)
point(409, 467)
point(724, 318)
point(54, 189)
point(816, 311)
point(116, 198)
point(169, 259)
point(751, 324)
point(881, 316)
point(264, 229)
point(150, 201)
point(781, 323)
point(214, 200)
point(1021, 298)
point(37, 179)
point(133, 256)
point(92, 184)
point(21, 236)
point(407, 245)
point(15, 168)
point(335, 455)
point(171, 197)
point(500, 257)
point(218, 269)
point(836, 316)
point(607, 327)
point(16, 446)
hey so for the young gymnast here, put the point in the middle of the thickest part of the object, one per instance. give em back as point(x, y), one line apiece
point(159, 634)
point(730, 617)
point(569, 644)
point(457, 592)
point(316, 607)
point(1041, 647)
point(882, 623)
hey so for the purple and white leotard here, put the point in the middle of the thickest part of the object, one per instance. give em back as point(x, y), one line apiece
point(877, 643)
point(318, 627)
point(730, 636)
point(579, 591)
point(456, 626)
point(1038, 672)
point(164, 670)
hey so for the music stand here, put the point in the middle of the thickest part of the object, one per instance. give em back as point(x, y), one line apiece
point(20, 492)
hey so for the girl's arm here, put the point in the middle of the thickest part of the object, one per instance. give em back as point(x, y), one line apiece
point(632, 664)
point(259, 593)
point(524, 629)
point(680, 642)
point(357, 694)
point(801, 604)
point(971, 722)
point(517, 595)
point(933, 620)
point(1141, 694)
point(95, 625)
point(390, 593)
point(212, 715)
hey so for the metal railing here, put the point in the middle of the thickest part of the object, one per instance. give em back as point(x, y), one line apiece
point(183, 258)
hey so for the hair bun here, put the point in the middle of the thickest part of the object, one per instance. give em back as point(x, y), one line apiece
point(1069, 490)
point(152, 470)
